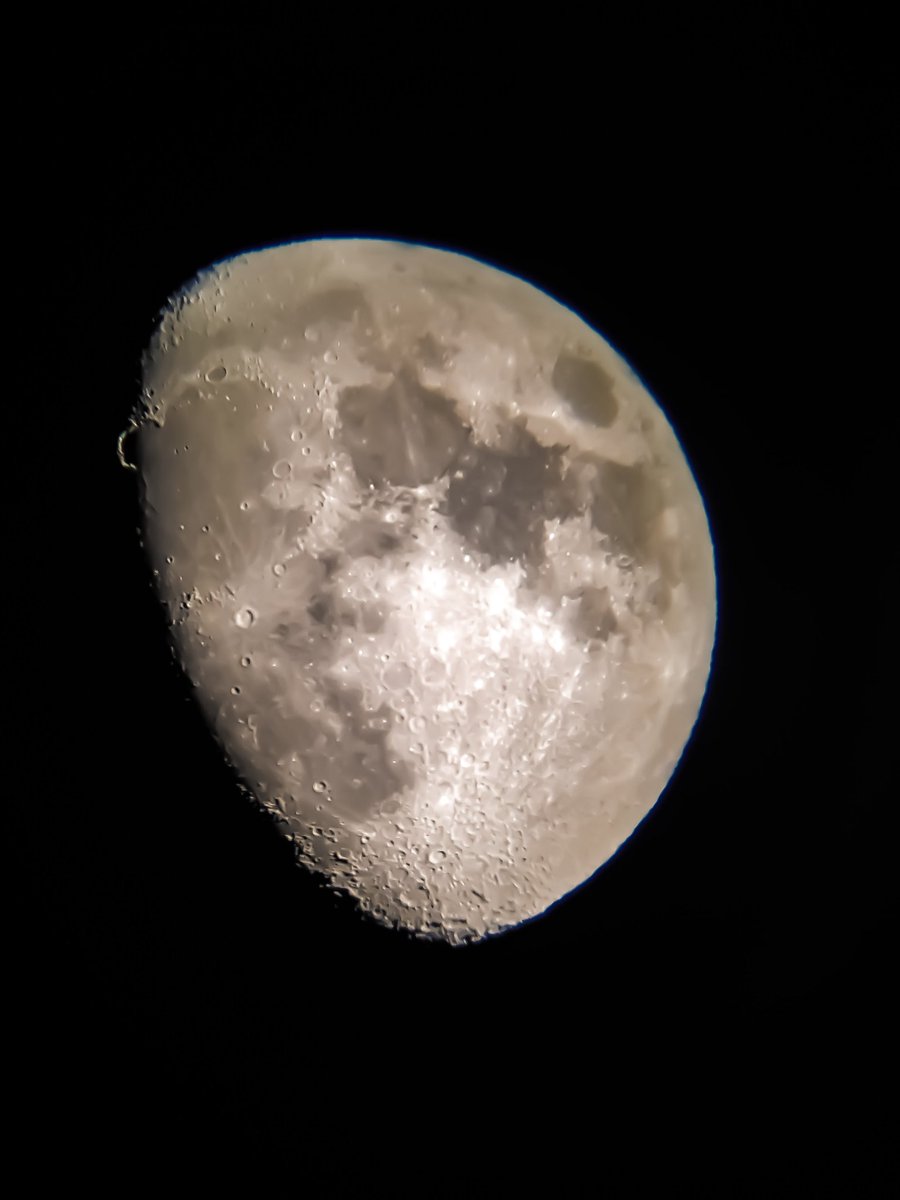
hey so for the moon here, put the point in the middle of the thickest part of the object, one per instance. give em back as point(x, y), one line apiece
point(436, 565)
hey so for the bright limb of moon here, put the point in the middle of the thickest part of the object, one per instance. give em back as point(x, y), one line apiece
point(436, 565)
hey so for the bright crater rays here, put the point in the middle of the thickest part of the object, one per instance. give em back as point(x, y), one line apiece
point(436, 566)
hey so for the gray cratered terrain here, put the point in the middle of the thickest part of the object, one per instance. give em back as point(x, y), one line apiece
point(436, 565)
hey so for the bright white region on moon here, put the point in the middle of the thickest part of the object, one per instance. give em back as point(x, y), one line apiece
point(436, 565)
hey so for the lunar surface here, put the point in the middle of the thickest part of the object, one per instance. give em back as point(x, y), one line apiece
point(435, 564)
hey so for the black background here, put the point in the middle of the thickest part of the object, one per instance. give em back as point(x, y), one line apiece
point(711, 195)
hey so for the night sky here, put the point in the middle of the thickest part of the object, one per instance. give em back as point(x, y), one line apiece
point(713, 200)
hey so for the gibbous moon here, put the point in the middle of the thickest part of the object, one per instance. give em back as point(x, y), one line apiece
point(435, 564)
